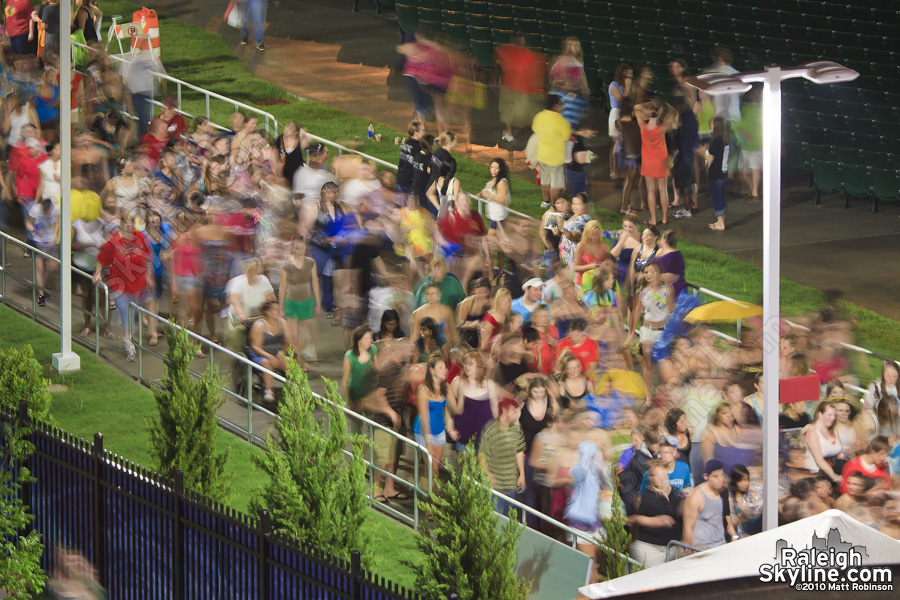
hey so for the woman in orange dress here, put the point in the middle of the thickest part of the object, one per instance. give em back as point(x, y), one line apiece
point(654, 122)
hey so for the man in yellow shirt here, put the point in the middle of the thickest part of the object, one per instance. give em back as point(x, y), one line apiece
point(553, 132)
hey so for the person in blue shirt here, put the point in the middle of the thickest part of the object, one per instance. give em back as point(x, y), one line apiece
point(679, 472)
point(530, 298)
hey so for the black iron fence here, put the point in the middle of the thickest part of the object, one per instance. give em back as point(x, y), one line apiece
point(151, 539)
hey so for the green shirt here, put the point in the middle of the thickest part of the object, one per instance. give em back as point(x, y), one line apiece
point(362, 379)
point(750, 127)
point(452, 292)
point(499, 447)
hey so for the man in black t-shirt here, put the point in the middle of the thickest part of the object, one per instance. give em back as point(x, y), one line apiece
point(579, 157)
point(409, 150)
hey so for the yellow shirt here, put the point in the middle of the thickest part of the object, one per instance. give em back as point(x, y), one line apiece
point(86, 205)
point(553, 132)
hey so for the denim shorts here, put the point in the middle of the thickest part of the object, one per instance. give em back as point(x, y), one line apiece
point(436, 439)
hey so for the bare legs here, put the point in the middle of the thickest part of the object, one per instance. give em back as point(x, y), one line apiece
point(658, 191)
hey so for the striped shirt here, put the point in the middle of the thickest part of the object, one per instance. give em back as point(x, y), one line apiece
point(499, 446)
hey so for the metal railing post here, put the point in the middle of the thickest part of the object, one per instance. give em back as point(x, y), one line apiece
point(178, 92)
point(3, 269)
point(34, 285)
point(140, 343)
point(249, 401)
point(207, 107)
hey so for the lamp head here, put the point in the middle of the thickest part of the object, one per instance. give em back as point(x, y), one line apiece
point(716, 84)
point(826, 71)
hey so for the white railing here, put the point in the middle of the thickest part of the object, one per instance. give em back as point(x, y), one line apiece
point(100, 312)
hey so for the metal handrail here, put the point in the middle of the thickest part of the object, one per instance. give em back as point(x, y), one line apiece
point(179, 84)
point(100, 314)
point(244, 362)
point(576, 535)
point(675, 547)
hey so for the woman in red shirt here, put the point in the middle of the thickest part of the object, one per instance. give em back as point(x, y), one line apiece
point(130, 278)
point(465, 228)
point(654, 155)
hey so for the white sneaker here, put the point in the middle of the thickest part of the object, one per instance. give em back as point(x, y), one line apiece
point(545, 204)
point(269, 396)
point(130, 354)
point(683, 214)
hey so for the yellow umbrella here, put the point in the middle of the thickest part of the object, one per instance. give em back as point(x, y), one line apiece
point(724, 310)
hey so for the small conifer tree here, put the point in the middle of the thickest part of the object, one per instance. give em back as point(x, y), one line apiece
point(614, 544)
point(21, 575)
point(314, 491)
point(22, 378)
point(183, 438)
point(467, 553)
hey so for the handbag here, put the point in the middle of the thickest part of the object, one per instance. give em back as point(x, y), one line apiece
point(234, 16)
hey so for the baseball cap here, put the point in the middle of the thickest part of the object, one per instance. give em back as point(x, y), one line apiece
point(533, 282)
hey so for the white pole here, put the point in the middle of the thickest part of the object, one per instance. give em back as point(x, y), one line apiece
point(65, 360)
point(771, 111)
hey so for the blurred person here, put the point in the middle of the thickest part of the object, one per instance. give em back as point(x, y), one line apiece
point(677, 427)
point(707, 513)
point(746, 504)
point(627, 242)
point(410, 148)
point(678, 472)
point(584, 511)
point(28, 178)
point(577, 344)
point(658, 517)
point(300, 300)
point(255, 13)
point(130, 278)
point(88, 235)
point(463, 230)
point(671, 262)
point(321, 224)
point(522, 84)
point(477, 399)
point(310, 178)
point(176, 127)
point(434, 399)
point(160, 236)
point(590, 252)
point(687, 140)
point(749, 131)
point(656, 301)
point(530, 299)
point(717, 156)
point(451, 291)
point(721, 434)
point(551, 234)
point(246, 294)
point(631, 477)
point(793, 416)
point(643, 256)
point(429, 340)
point(50, 173)
point(18, 114)
point(872, 464)
point(416, 243)
point(678, 70)
point(727, 106)
point(572, 228)
point(497, 192)
point(568, 81)
point(471, 311)
point(356, 379)
point(884, 391)
point(268, 344)
point(428, 63)
point(441, 193)
point(74, 577)
point(46, 104)
point(440, 313)
point(823, 446)
point(537, 414)
point(553, 131)
point(852, 443)
point(574, 386)
point(854, 501)
point(387, 407)
point(502, 454)
point(642, 86)
point(422, 167)
point(654, 122)
point(187, 279)
point(512, 371)
point(545, 347)
point(579, 157)
point(619, 88)
point(291, 144)
point(441, 156)
point(43, 224)
point(364, 183)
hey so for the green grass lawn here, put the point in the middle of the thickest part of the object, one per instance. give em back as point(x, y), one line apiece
point(99, 399)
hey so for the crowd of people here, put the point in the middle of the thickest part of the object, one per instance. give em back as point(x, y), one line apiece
point(555, 348)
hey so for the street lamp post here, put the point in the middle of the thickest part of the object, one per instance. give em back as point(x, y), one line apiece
point(65, 360)
point(721, 83)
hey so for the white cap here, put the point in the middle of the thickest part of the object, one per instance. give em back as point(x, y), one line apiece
point(533, 282)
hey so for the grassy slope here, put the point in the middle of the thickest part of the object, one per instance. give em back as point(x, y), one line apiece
point(99, 399)
point(204, 59)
